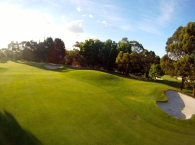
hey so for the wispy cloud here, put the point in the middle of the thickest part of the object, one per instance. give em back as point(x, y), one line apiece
point(167, 10)
point(126, 27)
point(153, 22)
point(105, 24)
point(76, 26)
point(91, 16)
point(148, 28)
point(106, 10)
point(79, 9)
point(84, 15)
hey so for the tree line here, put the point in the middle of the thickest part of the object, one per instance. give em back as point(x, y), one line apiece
point(51, 51)
point(125, 56)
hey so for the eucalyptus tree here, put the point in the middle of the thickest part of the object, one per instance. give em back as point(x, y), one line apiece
point(147, 59)
point(73, 57)
point(155, 71)
point(55, 50)
point(124, 45)
point(90, 50)
point(123, 61)
point(3, 57)
point(167, 65)
point(108, 54)
point(180, 49)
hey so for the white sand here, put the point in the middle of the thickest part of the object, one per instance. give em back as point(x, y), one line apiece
point(52, 66)
point(178, 105)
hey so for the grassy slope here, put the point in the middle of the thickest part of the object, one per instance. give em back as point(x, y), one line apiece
point(89, 107)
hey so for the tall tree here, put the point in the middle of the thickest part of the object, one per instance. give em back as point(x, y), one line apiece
point(3, 57)
point(90, 51)
point(123, 61)
point(155, 71)
point(55, 50)
point(74, 58)
point(180, 48)
point(167, 65)
point(124, 45)
point(108, 54)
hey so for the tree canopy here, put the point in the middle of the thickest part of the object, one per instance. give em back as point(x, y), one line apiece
point(180, 47)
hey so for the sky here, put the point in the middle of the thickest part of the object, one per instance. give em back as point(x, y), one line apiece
point(150, 22)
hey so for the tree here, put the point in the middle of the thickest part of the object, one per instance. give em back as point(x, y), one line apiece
point(108, 54)
point(55, 50)
point(136, 46)
point(74, 58)
point(155, 71)
point(90, 50)
point(180, 48)
point(123, 60)
point(124, 45)
point(148, 58)
point(3, 57)
point(167, 65)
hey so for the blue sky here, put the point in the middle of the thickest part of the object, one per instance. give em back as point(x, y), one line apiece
point(150, 22)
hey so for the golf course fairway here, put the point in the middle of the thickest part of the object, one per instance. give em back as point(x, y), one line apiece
point(85, 107)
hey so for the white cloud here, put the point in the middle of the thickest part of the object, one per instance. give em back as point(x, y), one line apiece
point(91, 16)
point(84, 15)
point(148, 28)
point(126, 27)
point(76, 26)
point(79, 9)
point(104, 22)
point(167, 10)
point(153, 22)
point(98, 21)
point(107, 10)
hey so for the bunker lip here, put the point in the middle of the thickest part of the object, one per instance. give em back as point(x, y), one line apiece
point(53, 66)
point(178, 105)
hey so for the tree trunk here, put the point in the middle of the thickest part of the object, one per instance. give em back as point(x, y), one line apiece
point(182, 82)
point(193, 91)
point(147, 74)
point(127, 70)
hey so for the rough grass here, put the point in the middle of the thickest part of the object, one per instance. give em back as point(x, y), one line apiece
point(73, 106)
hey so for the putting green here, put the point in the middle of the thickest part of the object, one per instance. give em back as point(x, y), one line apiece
point(75, 106)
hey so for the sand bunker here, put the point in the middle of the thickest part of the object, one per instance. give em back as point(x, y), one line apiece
point(53, 66)
point(178, 105)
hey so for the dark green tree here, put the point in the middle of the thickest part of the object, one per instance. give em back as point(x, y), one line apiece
point(155, 71)
point(180, 48)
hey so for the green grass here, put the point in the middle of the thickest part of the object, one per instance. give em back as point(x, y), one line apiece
point(74, 106)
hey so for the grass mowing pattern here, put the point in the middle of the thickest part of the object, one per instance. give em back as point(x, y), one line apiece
point(73, 106)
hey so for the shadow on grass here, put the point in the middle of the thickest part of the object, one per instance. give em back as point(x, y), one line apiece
point(40, 65)
point(177, 86)
point(174, 84)
point(11, 133)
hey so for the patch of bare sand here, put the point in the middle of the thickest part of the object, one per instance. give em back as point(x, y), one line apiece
point(53, 66)
point(178, 105)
